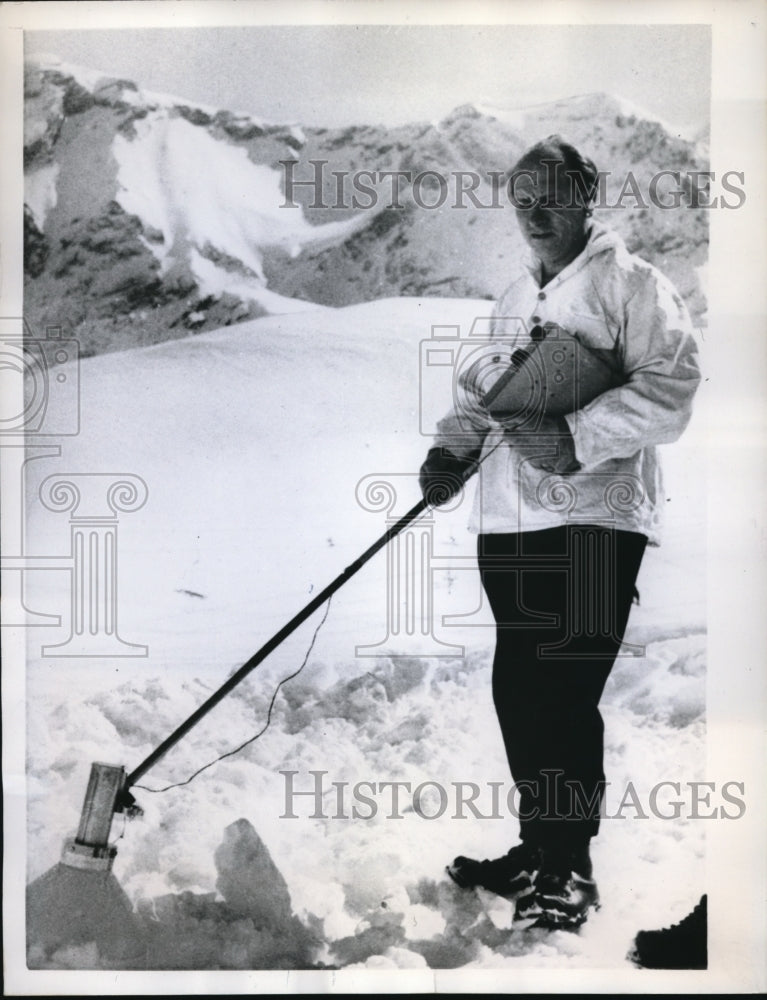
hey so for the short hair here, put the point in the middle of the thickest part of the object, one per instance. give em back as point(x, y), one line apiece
point(582, 171)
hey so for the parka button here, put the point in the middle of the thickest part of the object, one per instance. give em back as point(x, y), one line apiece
point(541, 296)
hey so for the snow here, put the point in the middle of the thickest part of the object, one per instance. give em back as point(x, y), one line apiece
point(209, 200)
point(40, 191)
point(515, 118)
point(92, 79)
point(85, 76)
point(587, 105)
point(629, 108)
point(252, 441)
point(213, 280)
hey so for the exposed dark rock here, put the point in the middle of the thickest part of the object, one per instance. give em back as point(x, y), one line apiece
point(77, 99)
point(237, 126)
point(126, 122)
point(35, 246)
point(196, 116)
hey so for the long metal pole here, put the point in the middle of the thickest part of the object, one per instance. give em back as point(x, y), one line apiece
point(275, 641)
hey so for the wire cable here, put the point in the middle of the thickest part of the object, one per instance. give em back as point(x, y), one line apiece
point(258, 735)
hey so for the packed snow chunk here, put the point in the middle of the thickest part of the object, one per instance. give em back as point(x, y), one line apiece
point(361, 701)
point(254, 928)
point(410, 730)
point(139, 714)
point(324, 901)
point(195, 931)
point(401, 675)
point(367, 882)
point(397, 958)
point(666, 685)
point(373, 937)
point(249, 880)
point(423, 922)
point(499, 910)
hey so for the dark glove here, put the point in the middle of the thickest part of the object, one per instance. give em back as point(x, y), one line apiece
point(442, 476)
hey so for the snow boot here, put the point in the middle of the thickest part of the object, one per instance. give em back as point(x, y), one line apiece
point(681, 946)
point(507, 876)
point(561, 894)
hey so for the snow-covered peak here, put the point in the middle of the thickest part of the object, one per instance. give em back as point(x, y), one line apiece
point(99, 82)
point(87, 77)
point(578, 107)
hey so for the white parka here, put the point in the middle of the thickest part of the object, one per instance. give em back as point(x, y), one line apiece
point(623, 307)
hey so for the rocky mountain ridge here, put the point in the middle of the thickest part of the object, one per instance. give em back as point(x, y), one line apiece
point(149, 218)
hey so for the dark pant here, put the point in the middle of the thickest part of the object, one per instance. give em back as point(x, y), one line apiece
point(561, 599)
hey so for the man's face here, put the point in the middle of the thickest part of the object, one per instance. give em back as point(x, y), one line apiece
point(549, 216)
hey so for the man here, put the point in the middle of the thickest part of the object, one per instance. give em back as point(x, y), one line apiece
point(564, 508)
